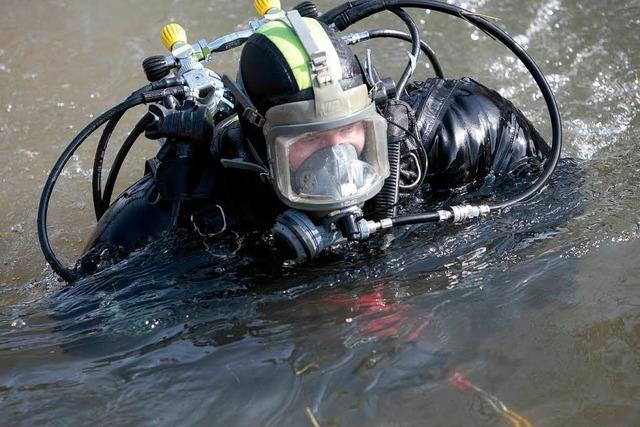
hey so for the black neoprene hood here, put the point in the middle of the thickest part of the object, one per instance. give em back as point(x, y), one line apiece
point(268, 79)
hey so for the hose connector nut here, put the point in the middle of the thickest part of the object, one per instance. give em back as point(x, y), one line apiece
point(464, 212)
point(386, 223)
point(354, 38)
point(445, 215)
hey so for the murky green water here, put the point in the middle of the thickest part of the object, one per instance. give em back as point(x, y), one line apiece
point(539, 307)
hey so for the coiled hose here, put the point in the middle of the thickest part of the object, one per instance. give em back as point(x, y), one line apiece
point(386, 201)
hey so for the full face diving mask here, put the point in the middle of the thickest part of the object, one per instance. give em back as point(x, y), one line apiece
point(330, 152)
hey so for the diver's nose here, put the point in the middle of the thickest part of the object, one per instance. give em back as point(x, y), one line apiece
point(334, 137)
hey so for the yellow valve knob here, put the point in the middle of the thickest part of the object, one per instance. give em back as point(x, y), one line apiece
point(263, 6)
point(172, 34)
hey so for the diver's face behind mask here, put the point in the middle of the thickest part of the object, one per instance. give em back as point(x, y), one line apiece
point(329, 165)
point(307, 144)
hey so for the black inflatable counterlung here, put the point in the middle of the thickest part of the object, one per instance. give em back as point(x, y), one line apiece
point(469, 131)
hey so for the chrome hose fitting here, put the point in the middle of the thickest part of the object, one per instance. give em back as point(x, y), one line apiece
point(464, 212)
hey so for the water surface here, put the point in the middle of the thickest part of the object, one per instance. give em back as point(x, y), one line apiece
point(538, 306)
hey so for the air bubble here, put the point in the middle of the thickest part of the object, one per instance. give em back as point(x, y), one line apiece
point(18, 228)
point(18, 323)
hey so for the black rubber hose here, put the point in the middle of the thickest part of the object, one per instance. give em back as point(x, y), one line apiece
point(96, 181)
point(66, 273)
point(120, 158)
point(101, 149)
point(98, 160)
point(349, 13)
point(415, 219)
point(415, 50)
point(139, 97)
point(426, 49)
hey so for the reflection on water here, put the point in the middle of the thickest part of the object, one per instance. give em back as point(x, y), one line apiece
point(537, 307)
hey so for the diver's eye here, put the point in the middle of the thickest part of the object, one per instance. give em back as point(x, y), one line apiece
point(309, 139)
point(349, 130)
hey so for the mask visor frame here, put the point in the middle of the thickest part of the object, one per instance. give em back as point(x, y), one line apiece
point(374, 153)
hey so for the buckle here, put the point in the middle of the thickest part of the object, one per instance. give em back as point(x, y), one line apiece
point(253, 117)
point(319, 60)
point(320, 67)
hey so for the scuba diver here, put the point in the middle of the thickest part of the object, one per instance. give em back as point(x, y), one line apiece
point(308, 144)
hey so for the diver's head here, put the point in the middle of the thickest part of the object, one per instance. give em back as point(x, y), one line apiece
point(325, 142)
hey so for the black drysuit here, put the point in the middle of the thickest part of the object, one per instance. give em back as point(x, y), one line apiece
point(466, 129)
